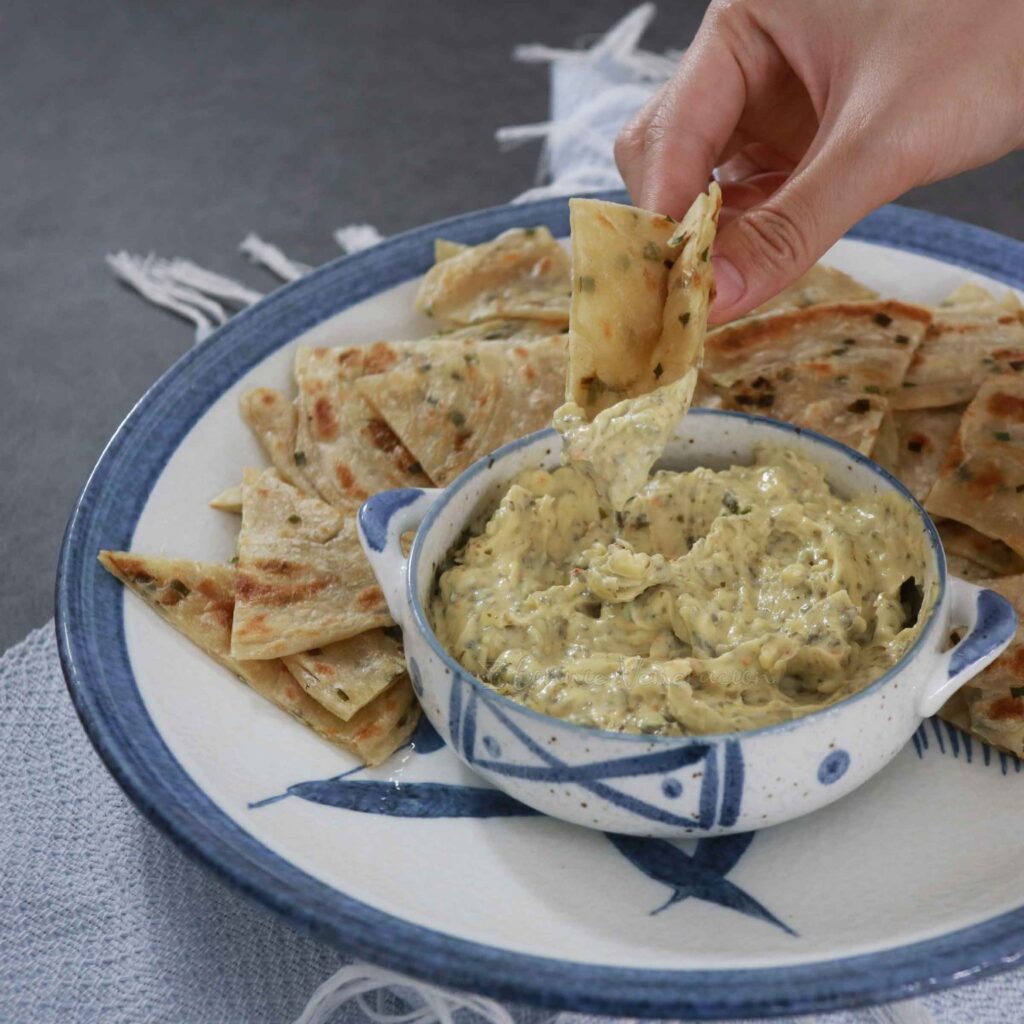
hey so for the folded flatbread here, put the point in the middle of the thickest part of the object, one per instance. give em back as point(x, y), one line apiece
point(302, 578)
point(521, 274)
point(198, 600)
point(981, 482)
point(640, 294)
point(455, 405)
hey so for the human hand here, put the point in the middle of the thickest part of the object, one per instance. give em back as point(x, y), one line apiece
point(815, 112)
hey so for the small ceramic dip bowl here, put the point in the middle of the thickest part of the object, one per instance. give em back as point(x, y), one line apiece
point(657, 785)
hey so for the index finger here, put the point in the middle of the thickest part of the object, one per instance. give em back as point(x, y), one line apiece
point(671, 153)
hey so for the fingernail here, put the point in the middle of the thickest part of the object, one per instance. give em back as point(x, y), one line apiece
point(729, 284)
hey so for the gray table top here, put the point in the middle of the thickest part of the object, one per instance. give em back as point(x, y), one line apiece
point(178, 128)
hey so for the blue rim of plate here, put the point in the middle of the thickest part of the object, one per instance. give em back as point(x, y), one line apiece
point(96, 665)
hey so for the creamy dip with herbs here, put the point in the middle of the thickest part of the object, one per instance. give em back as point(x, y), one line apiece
point(711, 602)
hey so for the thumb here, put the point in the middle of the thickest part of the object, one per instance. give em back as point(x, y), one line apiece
point(767, 247)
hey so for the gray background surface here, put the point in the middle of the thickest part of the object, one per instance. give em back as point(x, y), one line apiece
point(177, 128)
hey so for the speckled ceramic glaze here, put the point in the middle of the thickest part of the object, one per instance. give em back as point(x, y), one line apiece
point(671, 786)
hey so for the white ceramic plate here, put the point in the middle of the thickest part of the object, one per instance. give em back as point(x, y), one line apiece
point(912, 882)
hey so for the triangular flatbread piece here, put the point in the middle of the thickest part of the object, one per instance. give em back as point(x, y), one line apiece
point(229, 500)
point(350, 451)
point(837, 335)
point(273, 418)
point(302, 578)
point(981, 482)
point(523, 274)
point(991, 555)
point(346, 676)
point(821, 284)
point(960, 351)
point(198, 600)
point(457, 405)
point(922, 438)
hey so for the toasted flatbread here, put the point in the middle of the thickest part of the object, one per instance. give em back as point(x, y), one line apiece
point(521, 274)
point(198, 600)
point(350, 451)
point(821, 284)
point(966, 569)
point(973, 296)
point(991, 705)
point(922, 437)
point(500, 330)
point(346, 676)
point(443, 249)
point(690, 288)
point(845, 334)
point(981, 482)
point(273, 418)
point(456, 406)
point(628, 331)
point(302, 578)
point(813, 395)
point(993, 556)
point(961, 350)
point(229, 500)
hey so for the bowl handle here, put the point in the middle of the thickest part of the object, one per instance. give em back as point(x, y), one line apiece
point(381, 522)
point(991, 623)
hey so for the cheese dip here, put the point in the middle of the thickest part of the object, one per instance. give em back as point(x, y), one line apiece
point(713, 602)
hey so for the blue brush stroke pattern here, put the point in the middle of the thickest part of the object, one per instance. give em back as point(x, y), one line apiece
point(409, 799)
point(689, 876)
point(700, 875)
point(951, 740)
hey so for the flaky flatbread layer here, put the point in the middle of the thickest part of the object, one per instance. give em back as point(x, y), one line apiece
point(981, 482)
point(198, 600)
point(344, 677)
point(454, 406)
point(521, 274)
point(302, 578)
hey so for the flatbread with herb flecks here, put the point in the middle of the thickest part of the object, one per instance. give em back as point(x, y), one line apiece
point(350, 452)
point(922, 438)
point(456, 406)
point(627, 333)
point(991, 555)
point(844, 333)
point(273, 418)
point(991, 705)
point(346, 676)
point(961, 350)
point(302, 578)
point(689, 289)
point(981, 482)
point(821, 284)
point(521, 274)
point(811, 395)
point(198, 600)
